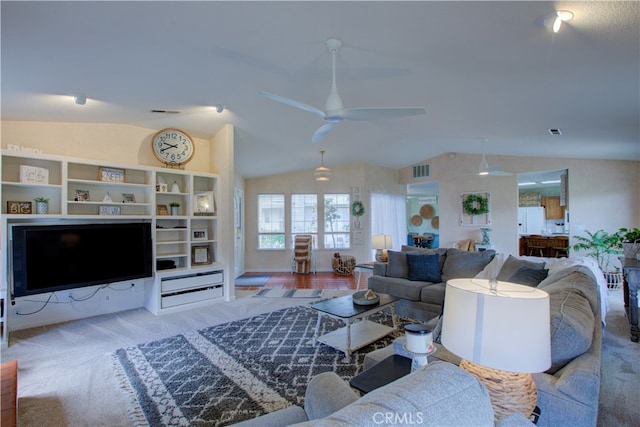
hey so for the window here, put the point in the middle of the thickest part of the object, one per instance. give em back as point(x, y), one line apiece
point(271, 221)
point(336, 221)
point(304, 216)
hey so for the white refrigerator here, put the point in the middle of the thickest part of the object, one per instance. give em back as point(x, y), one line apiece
point(531, 220)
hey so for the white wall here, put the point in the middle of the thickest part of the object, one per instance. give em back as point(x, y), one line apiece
point(603, 194)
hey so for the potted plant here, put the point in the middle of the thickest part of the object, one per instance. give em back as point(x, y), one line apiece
point(629, 241)
point(600, 246)
point(174, 208)
point(42, 205)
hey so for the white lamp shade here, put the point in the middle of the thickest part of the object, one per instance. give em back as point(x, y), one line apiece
point(381, 241)
point(507, 330)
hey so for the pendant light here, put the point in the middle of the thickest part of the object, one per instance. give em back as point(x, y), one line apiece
point(322, 173)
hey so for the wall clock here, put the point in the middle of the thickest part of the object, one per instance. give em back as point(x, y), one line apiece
point(172, 146)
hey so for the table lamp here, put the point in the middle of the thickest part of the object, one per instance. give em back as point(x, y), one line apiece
point(502, 332)
point(381, 242)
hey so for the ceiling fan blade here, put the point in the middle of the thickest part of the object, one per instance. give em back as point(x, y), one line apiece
point(322, 131)
point(292, 103)
point(376, 113)
point(499, 173)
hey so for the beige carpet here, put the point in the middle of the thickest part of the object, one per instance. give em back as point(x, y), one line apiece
point(66, 378)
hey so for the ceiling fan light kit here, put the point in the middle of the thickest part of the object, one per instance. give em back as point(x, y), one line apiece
point(335, 112)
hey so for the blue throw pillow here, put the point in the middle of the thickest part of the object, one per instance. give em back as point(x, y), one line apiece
point(425, 268)
point(529, 276)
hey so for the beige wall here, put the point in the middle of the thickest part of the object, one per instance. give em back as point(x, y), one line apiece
point(603, 194)
point(343, 180)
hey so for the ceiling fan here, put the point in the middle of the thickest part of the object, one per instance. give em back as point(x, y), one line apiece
point(335, 111)
point(485, 169)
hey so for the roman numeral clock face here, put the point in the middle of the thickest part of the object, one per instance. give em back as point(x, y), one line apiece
point(172, 147)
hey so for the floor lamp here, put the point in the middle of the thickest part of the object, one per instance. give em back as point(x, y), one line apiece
point(501, 330)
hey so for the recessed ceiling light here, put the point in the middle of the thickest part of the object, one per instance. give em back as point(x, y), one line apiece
point(561, 16)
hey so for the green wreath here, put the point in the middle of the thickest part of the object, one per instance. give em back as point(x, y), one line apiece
point(475, 204)
point(357, 208)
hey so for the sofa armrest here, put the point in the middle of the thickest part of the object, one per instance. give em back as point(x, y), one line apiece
point(327, 393)
point(380, 269)
point(283, 417)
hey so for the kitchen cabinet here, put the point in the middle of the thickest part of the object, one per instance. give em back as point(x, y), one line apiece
point(553, 208)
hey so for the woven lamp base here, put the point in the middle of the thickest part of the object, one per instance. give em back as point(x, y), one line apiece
point(509, 391)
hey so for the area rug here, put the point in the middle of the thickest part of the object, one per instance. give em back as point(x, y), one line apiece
point(256, 280)
point(231, 372)
point(289, 293)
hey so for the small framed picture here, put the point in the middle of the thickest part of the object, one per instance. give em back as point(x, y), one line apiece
point(128, 198)
point(161, 188)
point(204, 203)
point(199, 234)
point(82, 196)
point(34, 174)
point(111, 175)
point(200, 255)
point(163, 210)
point(22, 208)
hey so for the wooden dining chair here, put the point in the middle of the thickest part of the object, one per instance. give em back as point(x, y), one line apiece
point(560, 246)
point(537, 245)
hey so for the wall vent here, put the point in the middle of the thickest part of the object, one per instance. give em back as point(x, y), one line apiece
point(421, 171)
point(555, 131)
point(165, 111)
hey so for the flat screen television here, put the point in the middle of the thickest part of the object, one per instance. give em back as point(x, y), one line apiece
point(48, 258)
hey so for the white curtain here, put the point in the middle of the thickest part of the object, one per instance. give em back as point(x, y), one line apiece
point(388, 216)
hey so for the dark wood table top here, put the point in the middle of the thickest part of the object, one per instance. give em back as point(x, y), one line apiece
point(345, 308)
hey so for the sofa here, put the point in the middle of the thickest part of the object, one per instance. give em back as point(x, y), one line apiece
point(418, 277)
point(439, 394)
point(568, 391)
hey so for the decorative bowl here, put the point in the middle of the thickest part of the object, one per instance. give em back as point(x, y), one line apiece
point(359, 299)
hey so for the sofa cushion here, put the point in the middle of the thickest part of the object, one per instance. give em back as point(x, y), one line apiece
point(397, 264)
point(428, 251)
point(572, 319)
point(529, 276)
point(463, 264)
point(447, 395)
point(396, 286)
point(513, 264)
point(425, 268)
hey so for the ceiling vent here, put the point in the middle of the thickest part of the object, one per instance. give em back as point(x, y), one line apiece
point(555, 131)
point(421, 171)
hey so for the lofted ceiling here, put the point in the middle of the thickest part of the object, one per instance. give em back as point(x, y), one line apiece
point(480, 69)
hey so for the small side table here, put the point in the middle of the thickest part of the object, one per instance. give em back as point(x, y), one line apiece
point(381, 374)
point(360, 267)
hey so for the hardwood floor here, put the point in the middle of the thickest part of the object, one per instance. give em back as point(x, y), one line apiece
point(320, 280)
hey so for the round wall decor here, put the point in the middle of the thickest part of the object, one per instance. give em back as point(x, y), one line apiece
point(435, 222)
point(416, 220)
point(427, 211)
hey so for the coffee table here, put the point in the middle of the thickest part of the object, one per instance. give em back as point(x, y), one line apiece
point(358, 331)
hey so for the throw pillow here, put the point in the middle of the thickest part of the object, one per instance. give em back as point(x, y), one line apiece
point(425, 268)
point(513, 264)
point(397, 264)
point(529, 276)
point(462, 264)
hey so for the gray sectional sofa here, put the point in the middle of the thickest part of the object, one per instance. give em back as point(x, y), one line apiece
point(568, 391)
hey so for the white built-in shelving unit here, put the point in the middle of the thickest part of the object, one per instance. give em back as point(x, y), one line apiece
point(78, 193)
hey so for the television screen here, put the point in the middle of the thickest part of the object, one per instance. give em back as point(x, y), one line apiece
point(49, 258)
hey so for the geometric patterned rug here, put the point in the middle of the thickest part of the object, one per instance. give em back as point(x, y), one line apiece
point(235, 371)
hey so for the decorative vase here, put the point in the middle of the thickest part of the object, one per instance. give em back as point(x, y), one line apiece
point(631, 249)
point(175, 210)
point(486, 238)
point(175, 188)
point(42, 208)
